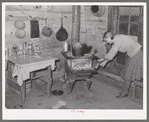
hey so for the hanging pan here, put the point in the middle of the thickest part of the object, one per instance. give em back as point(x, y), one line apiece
point(46, 31)
point(62, 34)
point(19, 24)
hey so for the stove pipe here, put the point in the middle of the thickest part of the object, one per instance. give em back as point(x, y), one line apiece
point(76, 48)
point(75, 33)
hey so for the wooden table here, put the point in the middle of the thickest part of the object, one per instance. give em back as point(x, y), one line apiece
point(25, 67)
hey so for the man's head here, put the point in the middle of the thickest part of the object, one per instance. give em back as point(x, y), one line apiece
point(108, 37)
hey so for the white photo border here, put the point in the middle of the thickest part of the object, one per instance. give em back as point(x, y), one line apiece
point(89, 114)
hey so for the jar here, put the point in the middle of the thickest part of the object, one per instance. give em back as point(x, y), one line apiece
point(66, 47)
point(24, 45)
point(15, 50)
point(30, 48)
point(20, 49)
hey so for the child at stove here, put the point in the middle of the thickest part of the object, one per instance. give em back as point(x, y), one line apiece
point(133, 68)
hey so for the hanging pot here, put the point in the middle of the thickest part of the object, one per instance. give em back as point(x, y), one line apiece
point(62, 34)
point(20, 33)
point(19, 24)
point(46, 31)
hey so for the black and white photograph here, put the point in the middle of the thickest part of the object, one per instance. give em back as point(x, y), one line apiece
point(65, 60)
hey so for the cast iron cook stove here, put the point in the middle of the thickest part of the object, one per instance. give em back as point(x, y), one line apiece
point(78, 68)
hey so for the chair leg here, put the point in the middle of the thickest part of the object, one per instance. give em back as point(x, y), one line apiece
point(23, 93)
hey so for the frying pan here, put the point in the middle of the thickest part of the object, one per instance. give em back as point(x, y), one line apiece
point(46, 31)
point(62, 34)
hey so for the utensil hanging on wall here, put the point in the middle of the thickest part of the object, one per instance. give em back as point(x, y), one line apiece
point(34, 24)
point(62, 34)
point(46, 31)
point(20, 33)
point(19, 24)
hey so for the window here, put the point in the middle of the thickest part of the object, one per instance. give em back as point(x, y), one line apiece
point(128, 20)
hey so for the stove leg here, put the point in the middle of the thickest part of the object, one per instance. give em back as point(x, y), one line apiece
point(89, 83)
point(71, 85)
